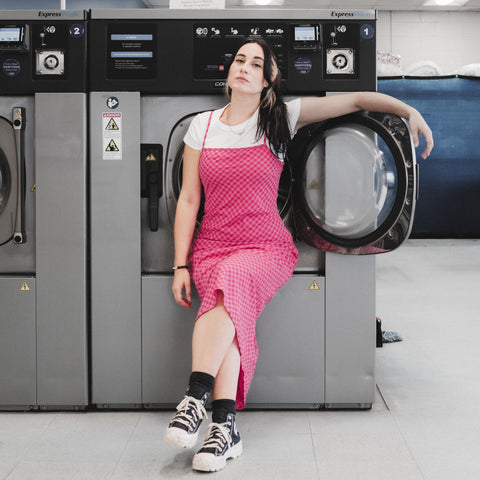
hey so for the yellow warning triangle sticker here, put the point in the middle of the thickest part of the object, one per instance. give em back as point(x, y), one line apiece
point(112, 147)
point(151, 158)
point(25, 287)
point(112, 125)
point(314, 185)
point(314, 286)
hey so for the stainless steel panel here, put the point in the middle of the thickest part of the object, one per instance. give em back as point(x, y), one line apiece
point(61, 217)
point(17, 343)
point(290, 371)
point(166, 341)
point(159, 116)
point(115, 254)
point(350, 333)
point(291, 340)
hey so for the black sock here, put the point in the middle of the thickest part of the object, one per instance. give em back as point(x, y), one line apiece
point(221, 408)
point(200, 385)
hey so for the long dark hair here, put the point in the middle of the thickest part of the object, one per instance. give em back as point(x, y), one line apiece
point(272, 118)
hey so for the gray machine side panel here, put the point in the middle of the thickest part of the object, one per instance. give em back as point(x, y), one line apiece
point(291, 360)
point(290, 371)
point(115, 255)
point(17, 342)
point(350, 330)
point(61, 216)
point(166, 340)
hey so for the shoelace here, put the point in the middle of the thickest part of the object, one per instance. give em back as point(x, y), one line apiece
point(190, 410)
point(217, 435)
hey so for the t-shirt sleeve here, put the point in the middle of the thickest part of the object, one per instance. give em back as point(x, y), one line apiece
point(196, 131)
point(293, 112)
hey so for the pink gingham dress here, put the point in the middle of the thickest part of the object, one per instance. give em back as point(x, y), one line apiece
point(242, 247)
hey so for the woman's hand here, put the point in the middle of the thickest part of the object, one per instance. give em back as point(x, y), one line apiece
point(418, 126)
point(181, 281)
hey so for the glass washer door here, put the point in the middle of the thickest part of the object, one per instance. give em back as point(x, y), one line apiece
point(355, 185)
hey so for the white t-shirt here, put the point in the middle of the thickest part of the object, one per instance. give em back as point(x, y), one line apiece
point(243, 135)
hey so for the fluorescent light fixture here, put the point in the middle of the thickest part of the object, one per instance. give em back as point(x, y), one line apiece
point(262, 2)
point(445, 3)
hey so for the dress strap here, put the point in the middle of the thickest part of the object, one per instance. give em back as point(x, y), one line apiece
point(265, 139)
point(208, 126)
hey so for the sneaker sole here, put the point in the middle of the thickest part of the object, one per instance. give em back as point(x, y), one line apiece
point(180, 438)
point(207, 462)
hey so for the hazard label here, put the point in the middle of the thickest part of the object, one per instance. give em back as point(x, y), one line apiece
point(24, 287)
point(314, 286)
point(112, 135)
point(112, 125)
point(112, 146)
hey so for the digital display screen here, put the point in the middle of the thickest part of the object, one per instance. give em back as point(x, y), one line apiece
point(305, 34)
point(10, 34)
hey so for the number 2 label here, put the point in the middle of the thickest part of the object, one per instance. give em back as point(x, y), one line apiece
point(77, 30)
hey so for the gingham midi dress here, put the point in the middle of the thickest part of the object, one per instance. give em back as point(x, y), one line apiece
point(242, 247)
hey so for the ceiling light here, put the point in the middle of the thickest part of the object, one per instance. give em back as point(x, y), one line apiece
point(445, 3)
point(262, 2)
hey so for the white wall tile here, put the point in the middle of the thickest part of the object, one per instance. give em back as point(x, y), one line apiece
point(450, 39)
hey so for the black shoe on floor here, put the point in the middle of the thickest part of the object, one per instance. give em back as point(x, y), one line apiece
point(222, 442)
point(183, 429)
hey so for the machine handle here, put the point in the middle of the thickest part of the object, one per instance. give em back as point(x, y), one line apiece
point(19, 121)
point(153, 202)
point(152, 179)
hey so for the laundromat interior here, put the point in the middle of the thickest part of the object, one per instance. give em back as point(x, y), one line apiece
point(368, 357)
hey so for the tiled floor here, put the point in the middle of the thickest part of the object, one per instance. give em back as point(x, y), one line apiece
point(424, 425)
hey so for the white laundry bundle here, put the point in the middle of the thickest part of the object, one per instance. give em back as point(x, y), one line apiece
point(425, 68)
point(471, 70)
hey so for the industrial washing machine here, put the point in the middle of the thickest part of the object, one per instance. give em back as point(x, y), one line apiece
point(43, 288)
point(150, 73)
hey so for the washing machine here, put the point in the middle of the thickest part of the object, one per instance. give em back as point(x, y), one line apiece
point(350, 193)
point(43, 338)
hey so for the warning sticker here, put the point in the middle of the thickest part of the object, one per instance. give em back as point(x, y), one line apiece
point(112, 135)
point(112, 147)
point(25, 287)
point(314, 286)
point(112, 125)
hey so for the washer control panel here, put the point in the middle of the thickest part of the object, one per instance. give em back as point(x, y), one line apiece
point(193, 55)
point(43, 51)
point(215, 43)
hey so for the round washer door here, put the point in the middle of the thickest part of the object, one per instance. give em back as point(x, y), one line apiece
point(354, 183)
point(8, 181)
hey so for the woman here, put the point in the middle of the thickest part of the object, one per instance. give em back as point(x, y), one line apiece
point(242, 253)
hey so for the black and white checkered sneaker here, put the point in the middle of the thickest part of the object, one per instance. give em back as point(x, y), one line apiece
point(222, 442)
point(183, 429)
